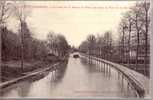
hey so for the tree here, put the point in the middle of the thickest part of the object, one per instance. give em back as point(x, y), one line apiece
point(107, 45)
point(5, 13)
point(62, 45)
point(136, 34)
point(57, 43)
point(141, 22)
point(27, 42)
point(52, 42)
point(129, 20)
point(6, 9)
point(147, 21)
point(100, 45)
point(91, 39)
point(132, 45)
point(39, 49)
point(122, 39)
point(10, 45)
point(21, 13)
point(125, 29)
point(138, 26)
point(83, 47)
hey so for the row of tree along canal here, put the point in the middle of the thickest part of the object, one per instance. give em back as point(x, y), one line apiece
point(21, 51)
point(131, 48)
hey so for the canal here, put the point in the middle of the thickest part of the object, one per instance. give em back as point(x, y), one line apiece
point(78, 78)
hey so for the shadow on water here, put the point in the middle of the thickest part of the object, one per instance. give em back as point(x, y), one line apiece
point(20, 89)
point(59, 72)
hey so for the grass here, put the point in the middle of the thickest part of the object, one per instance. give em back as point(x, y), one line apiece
point(12, 69)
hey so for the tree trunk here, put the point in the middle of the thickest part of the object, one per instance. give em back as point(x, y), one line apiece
point(22, 45)
point(129, 46)
point(146, 41)
point(123, 47)
point(138, 41)
point(0, 52)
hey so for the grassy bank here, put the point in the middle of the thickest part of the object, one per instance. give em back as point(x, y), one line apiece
point(12, 69)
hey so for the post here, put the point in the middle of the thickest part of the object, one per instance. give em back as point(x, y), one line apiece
point(104, 66)
point(0, 52)
point(118, 75)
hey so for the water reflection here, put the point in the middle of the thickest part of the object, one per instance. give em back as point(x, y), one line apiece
point(125, 89)
point(75, 78)
point(94, 66)
point(30, 86)
point(24, 89)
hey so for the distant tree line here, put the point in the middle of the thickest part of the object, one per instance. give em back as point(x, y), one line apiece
point(100, 45)
point(57, 44)
point(132, 45)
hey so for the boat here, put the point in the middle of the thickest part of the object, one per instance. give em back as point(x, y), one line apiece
point(75, 56)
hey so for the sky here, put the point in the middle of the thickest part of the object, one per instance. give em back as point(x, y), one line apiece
point(74, 19)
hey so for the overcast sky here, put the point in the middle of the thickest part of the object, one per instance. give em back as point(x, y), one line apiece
point(74, 23)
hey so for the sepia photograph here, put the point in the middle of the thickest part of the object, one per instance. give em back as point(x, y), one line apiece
point(75, 49)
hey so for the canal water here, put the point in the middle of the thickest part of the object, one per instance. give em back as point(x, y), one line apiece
point(77, 78)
